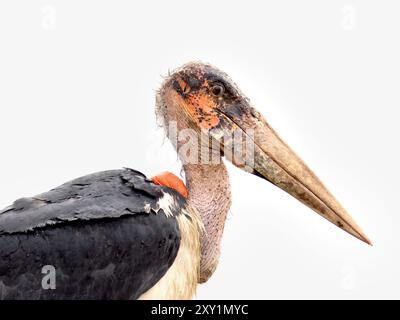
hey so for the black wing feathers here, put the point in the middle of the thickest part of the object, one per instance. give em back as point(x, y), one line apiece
point(104, 233)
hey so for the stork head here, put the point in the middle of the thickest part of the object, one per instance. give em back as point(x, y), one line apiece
point(201, 98)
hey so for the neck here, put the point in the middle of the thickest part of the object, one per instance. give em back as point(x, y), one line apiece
point(209, 193)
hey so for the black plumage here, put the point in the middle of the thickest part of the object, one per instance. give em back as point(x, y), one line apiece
point(105, 234)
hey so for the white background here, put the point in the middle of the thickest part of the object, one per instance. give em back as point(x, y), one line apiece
point(77, 81)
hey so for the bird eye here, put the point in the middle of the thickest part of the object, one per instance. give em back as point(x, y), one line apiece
point(217, 89)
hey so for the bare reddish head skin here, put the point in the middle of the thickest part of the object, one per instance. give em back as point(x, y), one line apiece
point(200, 106)
point(170, 180)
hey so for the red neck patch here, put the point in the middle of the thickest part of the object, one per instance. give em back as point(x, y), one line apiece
point(170, 180)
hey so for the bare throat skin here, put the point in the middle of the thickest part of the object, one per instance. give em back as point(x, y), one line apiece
point(210, 194)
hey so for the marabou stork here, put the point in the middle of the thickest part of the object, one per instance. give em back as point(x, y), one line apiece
point(120, 235)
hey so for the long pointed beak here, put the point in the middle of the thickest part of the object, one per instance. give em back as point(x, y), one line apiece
point(273, 160)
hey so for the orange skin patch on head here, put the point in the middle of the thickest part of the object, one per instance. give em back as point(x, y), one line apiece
point(170, 180)
point(202, 107)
